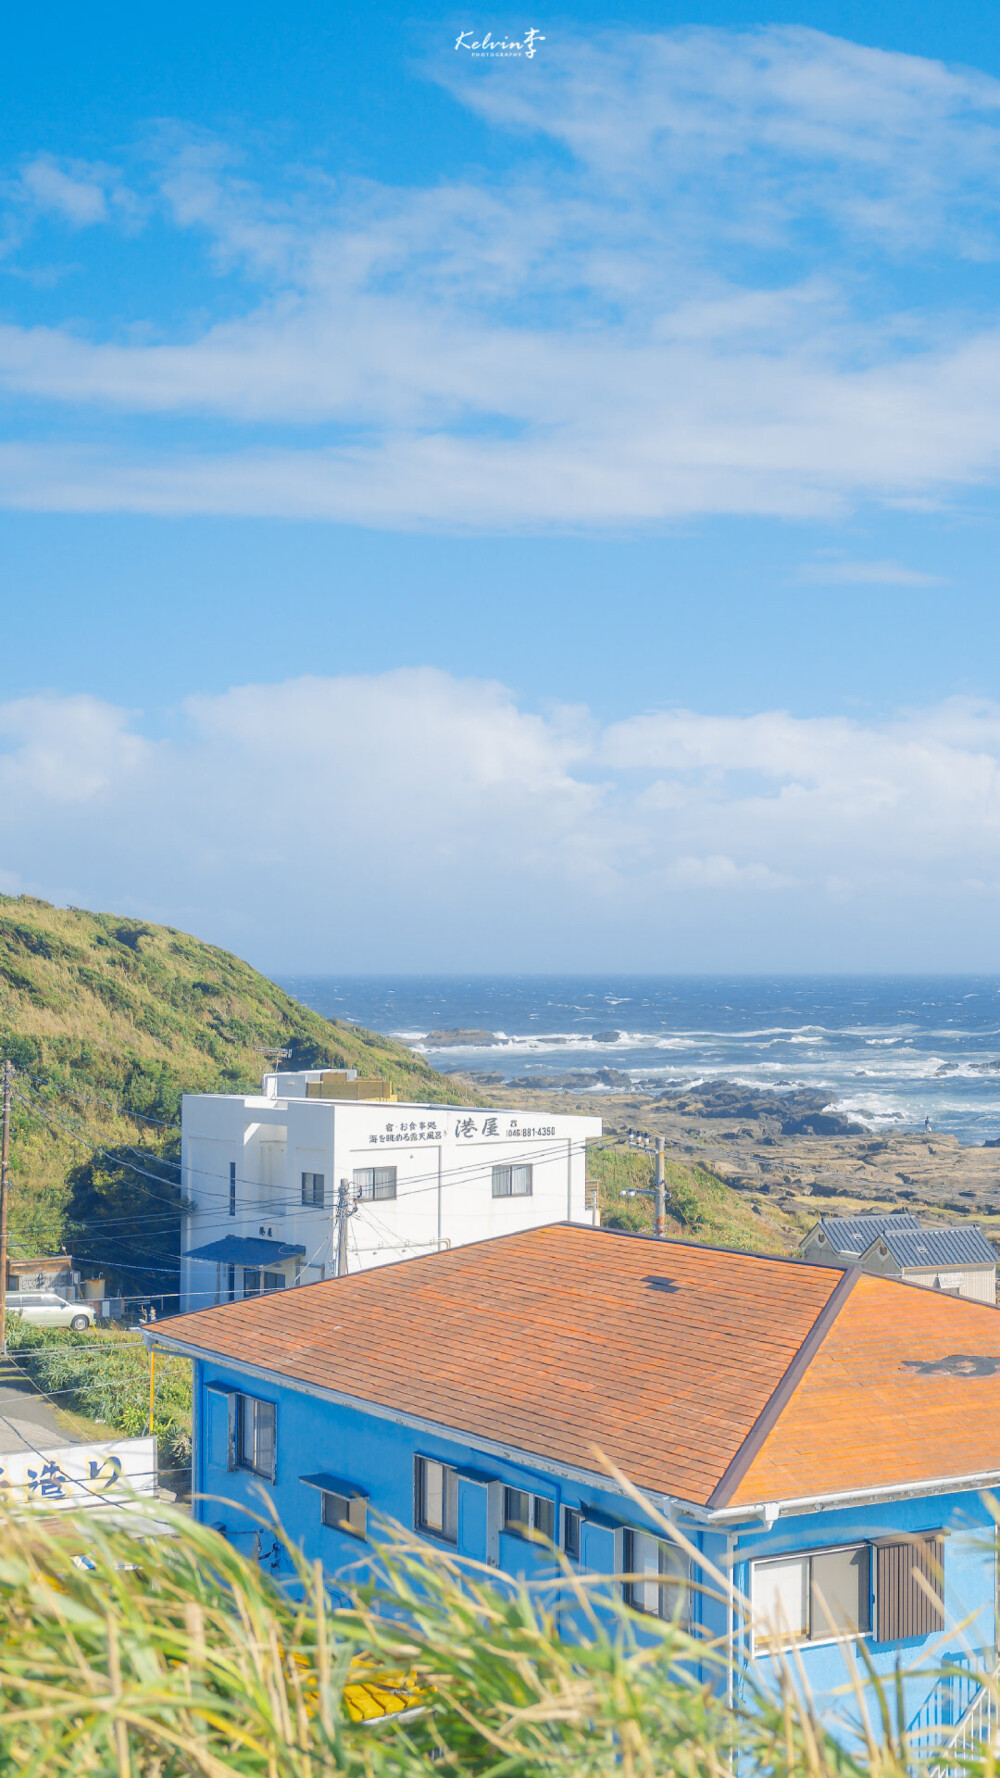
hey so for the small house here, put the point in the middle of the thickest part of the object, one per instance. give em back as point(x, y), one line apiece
point(956, 1258)
point(846, 1238)
point(821, 1434)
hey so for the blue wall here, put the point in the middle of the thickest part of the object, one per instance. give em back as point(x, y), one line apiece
point(376, 1456)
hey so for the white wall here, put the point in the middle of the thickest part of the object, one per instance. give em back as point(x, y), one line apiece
point(443, 1156)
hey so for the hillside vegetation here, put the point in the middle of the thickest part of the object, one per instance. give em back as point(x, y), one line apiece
point(108, 1020)
point(700, 1206)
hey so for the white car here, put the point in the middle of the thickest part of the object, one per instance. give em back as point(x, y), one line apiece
point(44, 1308)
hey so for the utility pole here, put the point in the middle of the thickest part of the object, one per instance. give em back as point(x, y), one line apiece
point(641, 1139)
point(277, 1056)
point(342, 1214)
point(661, 1192)
point(8, 1075)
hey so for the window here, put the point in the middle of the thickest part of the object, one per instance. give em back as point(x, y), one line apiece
point(512, 1182)
point(251, 1281)
point(903, 1606)
point(230, 1284)
point(345, 1512)
point(571, 1532)
point(232, 1188)
point(273, 1281)
point(813, 1598)
point(437, 1498)
point(373, 1183)
point(661, 1574)
point(523, 1512)
point(255, 1435)
point(313, 1190)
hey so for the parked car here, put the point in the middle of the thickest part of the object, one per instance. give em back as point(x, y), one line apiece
point(45, 1308)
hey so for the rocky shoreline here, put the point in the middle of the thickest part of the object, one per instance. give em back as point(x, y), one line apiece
point(787, 1150)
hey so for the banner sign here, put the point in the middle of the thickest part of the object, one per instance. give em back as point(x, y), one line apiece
point(79, 1475)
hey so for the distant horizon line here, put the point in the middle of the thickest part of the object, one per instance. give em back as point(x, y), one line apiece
point(757, 975)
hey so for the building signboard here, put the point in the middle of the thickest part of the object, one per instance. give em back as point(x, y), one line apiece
point(79, 1475)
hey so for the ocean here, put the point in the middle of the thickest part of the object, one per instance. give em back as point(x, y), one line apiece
point(891, 1050)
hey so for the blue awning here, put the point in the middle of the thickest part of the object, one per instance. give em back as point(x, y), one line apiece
point(247, 1250)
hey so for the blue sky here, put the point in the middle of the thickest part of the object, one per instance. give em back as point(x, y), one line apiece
point(506, 512)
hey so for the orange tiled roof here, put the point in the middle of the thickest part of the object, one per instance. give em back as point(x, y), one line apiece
point(715, 1377)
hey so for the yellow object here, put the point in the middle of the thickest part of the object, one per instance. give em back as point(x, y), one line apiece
point(152, 1386)
point(374, 1699)
point(391, 1695)
point(335, 1085)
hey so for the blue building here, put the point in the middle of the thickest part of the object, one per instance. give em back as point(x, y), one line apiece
point(822, 1435)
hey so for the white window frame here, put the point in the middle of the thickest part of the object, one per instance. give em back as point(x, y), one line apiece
point(503, 1181)
point(762, 1644)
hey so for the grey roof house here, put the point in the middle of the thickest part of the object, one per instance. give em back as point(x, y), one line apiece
point(848, 1237)
point(958, 1259)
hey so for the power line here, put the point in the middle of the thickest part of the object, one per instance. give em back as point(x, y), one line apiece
point(98, 1099)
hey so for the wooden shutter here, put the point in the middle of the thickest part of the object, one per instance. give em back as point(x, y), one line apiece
point(905, 1605)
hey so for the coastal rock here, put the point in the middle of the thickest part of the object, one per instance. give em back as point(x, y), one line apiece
point(450, 1039)
point(581, 1080)
point(822, 1123)
point(605, 1037)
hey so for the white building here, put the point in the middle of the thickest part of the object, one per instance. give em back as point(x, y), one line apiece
point(294, 1184)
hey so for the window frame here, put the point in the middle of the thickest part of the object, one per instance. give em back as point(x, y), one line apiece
point(232, 1188)
point(312, 1201)
point(499, 1188)
point(353, 1520)
point(770, 1645)
point(375, 1195)
point(529, 1529)
point(255, 1462)
point(449, 1500)
point(572, 1515)
point(665, 1582)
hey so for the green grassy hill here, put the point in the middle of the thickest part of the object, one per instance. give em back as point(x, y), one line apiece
point(108, 1021)
point(700, 1206)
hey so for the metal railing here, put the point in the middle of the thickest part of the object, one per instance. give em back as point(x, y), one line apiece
point(975, 1729)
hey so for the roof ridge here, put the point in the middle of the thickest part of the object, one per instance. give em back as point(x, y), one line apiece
point(770, 1413)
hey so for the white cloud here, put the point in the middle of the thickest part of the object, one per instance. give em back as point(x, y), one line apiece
point(697, 310)
point(836, 571)
point(411, 819)
point(80, 193)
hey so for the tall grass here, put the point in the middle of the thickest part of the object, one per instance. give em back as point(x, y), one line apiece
point(178, 1657)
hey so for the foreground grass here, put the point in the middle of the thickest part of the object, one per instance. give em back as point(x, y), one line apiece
point(194, 1662)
